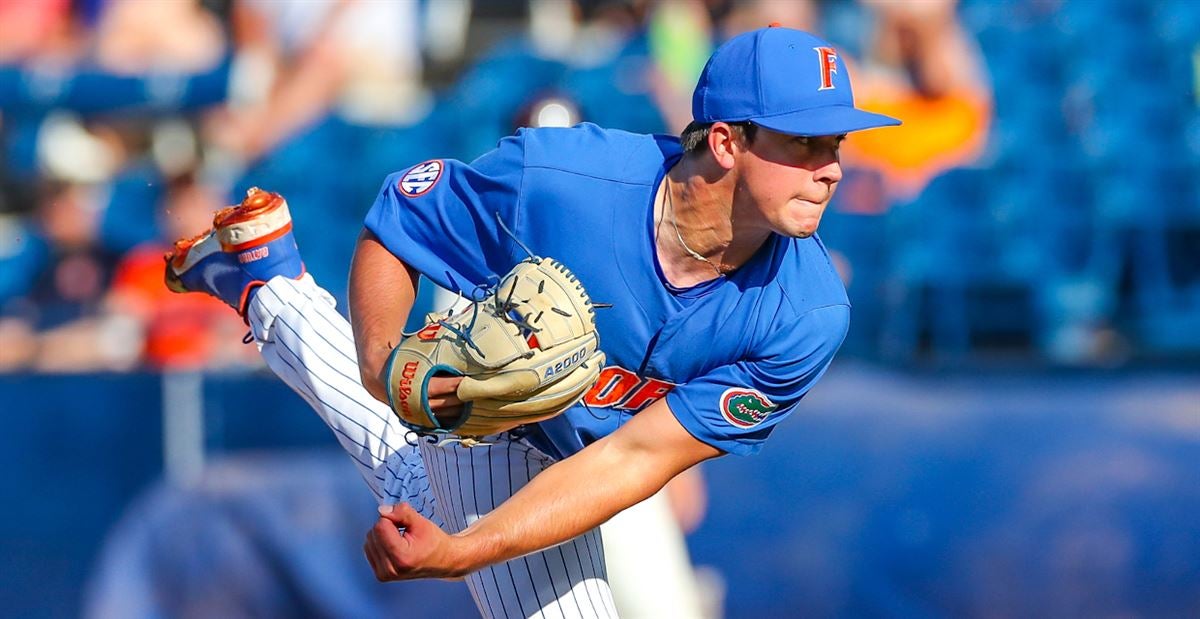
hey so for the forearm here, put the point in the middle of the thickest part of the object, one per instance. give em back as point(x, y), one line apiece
point(554, 507)
point(585, 490)
point(382, 293)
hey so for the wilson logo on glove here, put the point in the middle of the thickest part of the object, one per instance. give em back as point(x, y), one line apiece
point(429, 333)
point(405, 388)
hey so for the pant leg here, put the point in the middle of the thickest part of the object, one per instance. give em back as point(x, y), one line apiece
point(651, 571)
point(568, 580)
point(309, 345)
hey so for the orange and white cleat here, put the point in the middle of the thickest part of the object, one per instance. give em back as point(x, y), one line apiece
point(247, 246)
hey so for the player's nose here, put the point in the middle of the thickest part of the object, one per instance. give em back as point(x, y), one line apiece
point(829, 173)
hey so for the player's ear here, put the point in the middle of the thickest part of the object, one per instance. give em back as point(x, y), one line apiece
point(723, 142)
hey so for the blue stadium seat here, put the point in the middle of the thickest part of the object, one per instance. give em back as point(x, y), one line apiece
point(950, 247)
point(854, 230)
point(1131, 222)
point(90, 90)
point(617, 93)
point(489, 96)
point(1176, 23)
point(23, 254)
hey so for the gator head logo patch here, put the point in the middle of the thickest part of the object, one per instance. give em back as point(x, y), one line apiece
point(745, 408)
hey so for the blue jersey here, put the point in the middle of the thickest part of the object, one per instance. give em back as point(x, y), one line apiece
point(733, 356)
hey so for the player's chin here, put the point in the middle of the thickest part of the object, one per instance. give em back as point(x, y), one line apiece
point(804, 221)
point(798, 230)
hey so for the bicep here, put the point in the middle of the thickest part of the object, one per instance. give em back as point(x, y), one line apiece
point(736, 406)
point(656, 443)
point(382, 292)
point(442, 217)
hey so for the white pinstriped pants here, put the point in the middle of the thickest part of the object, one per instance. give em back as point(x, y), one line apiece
point(309, 345)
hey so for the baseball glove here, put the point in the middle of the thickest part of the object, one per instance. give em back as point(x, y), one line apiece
point(527, 352)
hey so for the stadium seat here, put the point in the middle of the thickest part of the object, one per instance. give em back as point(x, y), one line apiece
point(957, 269)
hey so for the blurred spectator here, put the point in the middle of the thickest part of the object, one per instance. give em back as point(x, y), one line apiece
point(66, 289)
point(81, 307)
point(136, 37)
point(326, 98)
point(921, 67)
point(644, 83)
point(680, 36)
point(737, 16)
point(31, 29)
point(299, 60)
point(338, 86)
point(78, 272)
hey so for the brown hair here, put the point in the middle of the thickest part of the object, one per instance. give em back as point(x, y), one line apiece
point(695, 136)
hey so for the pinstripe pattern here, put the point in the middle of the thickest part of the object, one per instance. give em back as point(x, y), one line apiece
point(565, 581)
point(310, 346)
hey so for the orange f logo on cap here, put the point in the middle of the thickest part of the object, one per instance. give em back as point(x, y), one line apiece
point(827, 56)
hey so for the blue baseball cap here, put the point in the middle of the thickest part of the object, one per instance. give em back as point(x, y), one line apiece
point(782, 79)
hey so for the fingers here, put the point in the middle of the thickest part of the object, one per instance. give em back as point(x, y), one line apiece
point(388, 539)
point(381, 567)
point(403, 545)
point(443, 404)
point(443, 396)
point(388, 550)
point(443, 385)
point(381, 564)
point(400, 515)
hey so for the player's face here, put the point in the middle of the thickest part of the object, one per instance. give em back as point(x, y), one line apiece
point(787, 181)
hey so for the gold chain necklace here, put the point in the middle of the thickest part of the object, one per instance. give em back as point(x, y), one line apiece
point(679, 235)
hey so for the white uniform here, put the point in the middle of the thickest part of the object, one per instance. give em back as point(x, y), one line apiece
point(649, 569)
point(310, 347)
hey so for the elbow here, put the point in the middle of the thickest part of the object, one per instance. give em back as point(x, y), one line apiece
point(364, 376)
point(372, 363)
point(371, 376)
point(376, 388)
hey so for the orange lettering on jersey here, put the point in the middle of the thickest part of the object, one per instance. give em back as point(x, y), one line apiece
point(827, 56)
point(652, 389)
point(619, 388)
point(612, 387)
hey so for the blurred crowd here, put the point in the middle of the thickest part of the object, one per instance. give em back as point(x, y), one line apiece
point(1040, 200)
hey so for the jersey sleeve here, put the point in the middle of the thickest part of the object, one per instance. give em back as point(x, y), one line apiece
point(441, 217)
point(735, 407)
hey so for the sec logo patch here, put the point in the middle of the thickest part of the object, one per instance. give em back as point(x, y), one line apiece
point(421, 178)
point(745, 408)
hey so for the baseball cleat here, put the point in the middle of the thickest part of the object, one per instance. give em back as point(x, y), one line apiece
point(248, 245)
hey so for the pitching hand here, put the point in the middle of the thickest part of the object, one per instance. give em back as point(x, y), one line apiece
point(404, 545)
point(443, 398)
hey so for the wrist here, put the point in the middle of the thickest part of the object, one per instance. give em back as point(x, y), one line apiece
point(468, 553)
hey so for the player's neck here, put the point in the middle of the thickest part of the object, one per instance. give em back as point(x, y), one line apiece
point(696, 236)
